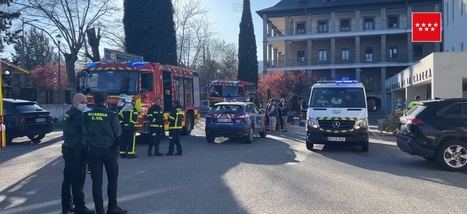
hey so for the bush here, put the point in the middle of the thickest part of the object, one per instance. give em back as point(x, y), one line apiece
point(393, 121)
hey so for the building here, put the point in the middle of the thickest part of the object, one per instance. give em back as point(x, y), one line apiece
point(367, 40)
point(439, 75)
point(454, 25)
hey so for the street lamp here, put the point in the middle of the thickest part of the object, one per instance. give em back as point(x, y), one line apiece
point(58, 36)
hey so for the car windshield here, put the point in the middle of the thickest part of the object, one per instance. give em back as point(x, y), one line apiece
point(227, 109)
point(112, 82)
point(338, 98)
point(28, 107)
point(223, 91)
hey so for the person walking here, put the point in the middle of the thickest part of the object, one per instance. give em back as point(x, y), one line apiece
point(74, 153)
point(128, 116)
point(272, 115)
point(283, 114)
point(102, 130)
point(175, 128)
point(156, 127)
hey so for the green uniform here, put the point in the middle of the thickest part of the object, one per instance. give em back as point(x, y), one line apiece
point(156, 124)
point(102, 127)
point(128, 121)
point(175, 128)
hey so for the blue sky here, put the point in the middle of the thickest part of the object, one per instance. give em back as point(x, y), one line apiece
point(226, 15)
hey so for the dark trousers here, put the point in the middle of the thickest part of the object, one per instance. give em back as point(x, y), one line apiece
point(128, 141)
point(156, 135)
point(98, 159)
point(174, 140)
point(74, 175)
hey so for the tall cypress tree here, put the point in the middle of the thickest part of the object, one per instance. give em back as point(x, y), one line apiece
point(150, 30)
point(247, 58)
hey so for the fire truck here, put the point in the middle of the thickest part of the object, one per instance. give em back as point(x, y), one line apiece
point(145, 82)
point(230, 90)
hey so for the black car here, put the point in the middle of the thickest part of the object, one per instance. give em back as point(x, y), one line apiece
point(235, 120)
point(436, 130)
point(26, 118)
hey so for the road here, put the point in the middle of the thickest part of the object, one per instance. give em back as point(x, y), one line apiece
point(273, 175)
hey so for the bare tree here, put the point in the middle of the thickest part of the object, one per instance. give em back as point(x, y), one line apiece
point(70, 19)
point(94, 39)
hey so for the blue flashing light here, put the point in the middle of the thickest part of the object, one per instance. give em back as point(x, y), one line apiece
point(92, 64)
point(137, 64)
point(347, 82)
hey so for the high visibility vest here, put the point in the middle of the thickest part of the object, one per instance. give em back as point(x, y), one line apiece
point(128, 118)
point(155, 119)
point(175, 121)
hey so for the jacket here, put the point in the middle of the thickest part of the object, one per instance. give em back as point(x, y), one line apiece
point(73, 129)
point(155, 117)
point(175, 119)
point(128, 118)
point(102, 128)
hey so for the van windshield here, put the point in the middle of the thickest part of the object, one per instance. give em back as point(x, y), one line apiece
point(338, 98)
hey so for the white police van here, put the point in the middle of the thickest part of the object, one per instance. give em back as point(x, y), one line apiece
point(337, 114)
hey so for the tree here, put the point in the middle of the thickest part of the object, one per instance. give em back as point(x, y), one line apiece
point(284, 84)
point(247, 58)
point(150, 30)
point(70, 19)
point(46, 76)
point(34, 49)
point(94, 39)
point(5, 23)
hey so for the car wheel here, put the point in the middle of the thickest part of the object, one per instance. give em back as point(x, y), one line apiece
point(210, 138)
point(262, 134)
point(365, 147)
point(309, 145)
point(36, 138)
point(453, 155)
point(249, 139)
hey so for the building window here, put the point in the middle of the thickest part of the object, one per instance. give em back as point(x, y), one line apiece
point(369, 55)
point(418, 51)
point(345, 25)
point(393, 21)
point(345, 54)
point(300, 28)
point(368, 23)
point(322, 55)
point(323, 26)
point(300, 56)
point(393, 52)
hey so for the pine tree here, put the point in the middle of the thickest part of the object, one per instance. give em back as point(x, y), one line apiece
point(150, 30)
point(247, 58)
point(34, 49)
point(5, 23)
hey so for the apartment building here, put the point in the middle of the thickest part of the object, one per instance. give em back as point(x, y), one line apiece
point(455, 25)
point(366, 40)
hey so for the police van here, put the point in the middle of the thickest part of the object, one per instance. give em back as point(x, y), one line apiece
point(337, 114)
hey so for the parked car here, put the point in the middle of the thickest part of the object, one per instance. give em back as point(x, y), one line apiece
point(26, 118)
point(235, 120)
point(436, 130)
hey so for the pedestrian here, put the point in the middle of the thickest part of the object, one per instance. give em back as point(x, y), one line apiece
point(175, 128)
point(128, 116)
point(283, 114)
point(102, 130)
point(272, 115)
point(414, 103)
point(156, 127)
point(74, 153)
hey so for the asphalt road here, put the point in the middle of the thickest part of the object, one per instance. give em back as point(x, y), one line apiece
point(273, 175)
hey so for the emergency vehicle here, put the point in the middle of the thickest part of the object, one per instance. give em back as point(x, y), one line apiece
point(145, 82)
point(230, 90)
point(337, 114)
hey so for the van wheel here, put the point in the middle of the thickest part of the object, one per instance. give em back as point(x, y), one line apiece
point(453, 155)
point(365, 146)
point(309, 145)
point(36, 138)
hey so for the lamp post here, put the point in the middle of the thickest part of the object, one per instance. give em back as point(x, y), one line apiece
point(59, 61)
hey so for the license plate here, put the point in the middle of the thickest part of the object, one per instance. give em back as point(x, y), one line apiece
point(40, 120)
point(224, 120)
point(336, 139)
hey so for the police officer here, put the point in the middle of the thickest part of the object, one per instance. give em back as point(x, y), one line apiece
point(175, 128)
point(155, 117)
point(74, 153)
point(102, 130)
point(128, 116)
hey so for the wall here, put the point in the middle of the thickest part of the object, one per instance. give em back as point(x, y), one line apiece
point(57, 110)
point(450, 69)
point(455, 30)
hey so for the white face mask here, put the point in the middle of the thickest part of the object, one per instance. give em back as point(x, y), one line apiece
point(82, 107)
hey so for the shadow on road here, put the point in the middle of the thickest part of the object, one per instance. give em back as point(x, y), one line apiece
point(21, 148)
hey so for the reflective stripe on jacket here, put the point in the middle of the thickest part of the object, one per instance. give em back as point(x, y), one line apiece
point(175, 119)
point(128, 118)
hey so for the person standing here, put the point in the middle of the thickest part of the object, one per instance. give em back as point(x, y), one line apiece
point(414, 103)
point(102, 130)
point(283, 114)
point(156, 127)
point(175, 128)
point(74, 153)
point(128, 116)
point(272, 115)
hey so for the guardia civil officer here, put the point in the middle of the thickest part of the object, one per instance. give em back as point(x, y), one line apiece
point(102, 129)
point(74, 153)
point(175, 128)
point(156, 127)
point(128, 116)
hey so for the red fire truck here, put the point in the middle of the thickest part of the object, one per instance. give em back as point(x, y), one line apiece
point(230, 90)
point(145, 82)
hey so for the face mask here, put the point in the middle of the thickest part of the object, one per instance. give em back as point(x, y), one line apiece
point(82, 107)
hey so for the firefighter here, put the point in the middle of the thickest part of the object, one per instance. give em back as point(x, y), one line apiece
point(128, 116)
point(102, 130)
point(175, 128)
point(155, 117)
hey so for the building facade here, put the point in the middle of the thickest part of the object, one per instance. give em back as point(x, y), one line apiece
point(366, 40)
point(455, 25)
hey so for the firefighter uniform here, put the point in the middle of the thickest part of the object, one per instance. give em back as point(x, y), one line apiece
point(175, 128)
point(128, 119)
point(156, 127)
